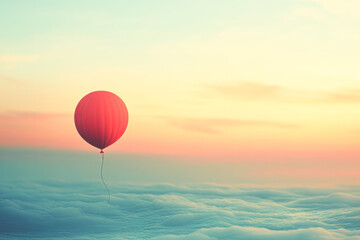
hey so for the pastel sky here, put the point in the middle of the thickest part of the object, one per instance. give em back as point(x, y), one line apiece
point(229, 80)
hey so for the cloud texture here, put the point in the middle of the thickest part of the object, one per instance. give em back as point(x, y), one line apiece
point(78, 210)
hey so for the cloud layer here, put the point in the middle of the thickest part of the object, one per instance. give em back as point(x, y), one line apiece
point(60, 210)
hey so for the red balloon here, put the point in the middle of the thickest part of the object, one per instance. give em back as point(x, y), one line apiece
point(101, 118)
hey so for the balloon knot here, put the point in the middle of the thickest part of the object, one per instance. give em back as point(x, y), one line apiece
point(101, 151)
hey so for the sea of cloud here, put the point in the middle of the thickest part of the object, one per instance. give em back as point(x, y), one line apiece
point(79, 210)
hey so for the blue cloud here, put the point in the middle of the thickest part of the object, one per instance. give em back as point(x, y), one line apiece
point(79, 210)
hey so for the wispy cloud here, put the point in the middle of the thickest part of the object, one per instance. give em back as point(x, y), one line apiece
point(36, 128)
point(18, 58)
point(344, 95)
point(149, 106)
point(12, 80)
point(12, 114)
point(248, 90)
point(273, 92)
point(302, 12)
point(215, 125)
point(338, 7)
point(256, 91)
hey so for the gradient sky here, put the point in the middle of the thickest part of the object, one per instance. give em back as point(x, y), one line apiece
point(222, 80)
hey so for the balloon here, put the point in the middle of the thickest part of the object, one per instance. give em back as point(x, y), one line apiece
point(101, 118)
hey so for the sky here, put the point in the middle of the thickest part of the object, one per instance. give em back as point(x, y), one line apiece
point(205, 78)
point(234, 80)
point(243, 119)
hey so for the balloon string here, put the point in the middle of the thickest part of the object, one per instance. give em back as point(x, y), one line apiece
point(102, 164)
